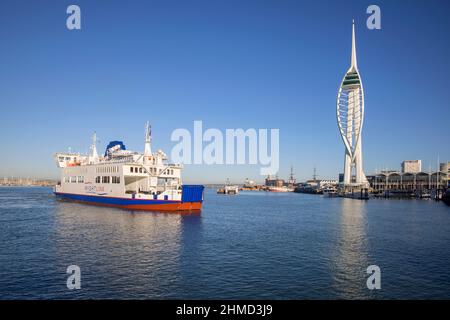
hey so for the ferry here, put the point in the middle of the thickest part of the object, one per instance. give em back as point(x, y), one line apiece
point(228, 189)
point(126, 179)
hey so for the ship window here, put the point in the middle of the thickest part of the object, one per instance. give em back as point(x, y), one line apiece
point(140, 170)
point(115, 179)
point(131, 169)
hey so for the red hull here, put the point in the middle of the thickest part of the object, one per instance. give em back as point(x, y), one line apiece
point(169, 207)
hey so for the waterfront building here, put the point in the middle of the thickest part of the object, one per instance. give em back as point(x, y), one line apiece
point(395, 180)
point(350, 116)
point(325, 183)
point(412, 166)
point(445, 168)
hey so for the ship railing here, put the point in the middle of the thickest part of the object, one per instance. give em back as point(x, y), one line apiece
point(128, 159)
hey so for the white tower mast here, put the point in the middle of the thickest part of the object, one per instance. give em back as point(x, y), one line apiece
point(350, 116)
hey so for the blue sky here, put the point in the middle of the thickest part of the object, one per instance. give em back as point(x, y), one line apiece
point(231, 64)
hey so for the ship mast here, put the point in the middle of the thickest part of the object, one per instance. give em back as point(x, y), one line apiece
point(148, 140)
point(94, 154)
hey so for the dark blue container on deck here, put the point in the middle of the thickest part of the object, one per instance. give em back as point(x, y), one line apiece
point(192, 193)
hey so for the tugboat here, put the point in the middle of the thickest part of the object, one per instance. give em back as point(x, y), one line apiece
point(126, 179)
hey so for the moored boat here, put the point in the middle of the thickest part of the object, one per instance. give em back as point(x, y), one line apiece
point(330, 192)
point(279, 189)
point(228, 189)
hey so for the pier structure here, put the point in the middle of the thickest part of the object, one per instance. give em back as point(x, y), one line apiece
point(350, 116)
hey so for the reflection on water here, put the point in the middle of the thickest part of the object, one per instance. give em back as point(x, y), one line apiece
point(142, 251)
point(350, 252)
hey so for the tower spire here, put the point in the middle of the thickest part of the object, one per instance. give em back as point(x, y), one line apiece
point(354, 62)
point(350, 115)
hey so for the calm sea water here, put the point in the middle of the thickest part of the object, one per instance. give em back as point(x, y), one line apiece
point(249, 246)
